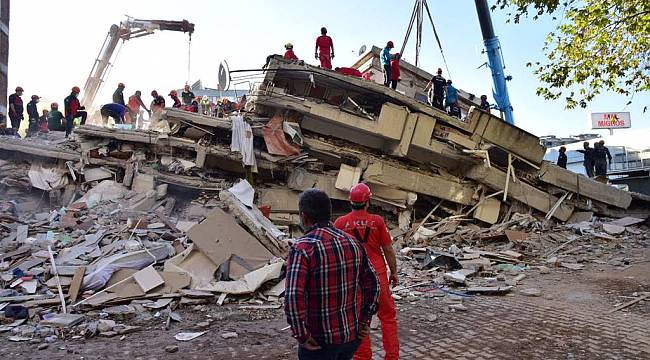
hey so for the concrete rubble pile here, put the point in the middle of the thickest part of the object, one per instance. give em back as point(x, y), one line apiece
point(154, 220)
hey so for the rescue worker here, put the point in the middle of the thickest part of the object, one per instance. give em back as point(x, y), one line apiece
point(588, 161)
point(205, 105)
point(348, 71)
point(187, 95)
point(436, 88)
point(451, 95)
point(324, 50)
point(16, 108)
point(485, 105)
point(73, 110)
point(371, 231)
point(601, 157)
point(114, 110)
point(177, 102)
point(55, 118)
point(385, 58)
point(33, 115)
point(395, 71)
point(289, 54)
point(157, 106)
point(42, 121)
point(562, 158)
point(118, 95)
point(135, 102)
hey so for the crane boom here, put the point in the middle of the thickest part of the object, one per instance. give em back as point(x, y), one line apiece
point(129, 29)
point(495, 60)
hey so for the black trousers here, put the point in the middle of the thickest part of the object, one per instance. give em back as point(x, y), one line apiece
point(589, 168)
point(387, 74)
point(393, 84)
point(15, 122)
point(330, 352)
point(69, 121)
point(601, 167)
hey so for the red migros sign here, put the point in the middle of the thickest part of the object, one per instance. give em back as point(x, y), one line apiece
point(610, 120)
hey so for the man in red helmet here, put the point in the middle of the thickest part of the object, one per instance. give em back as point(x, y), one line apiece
point(73, 110)
point(371, 230)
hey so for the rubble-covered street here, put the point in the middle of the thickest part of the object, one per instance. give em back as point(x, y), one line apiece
point(170, 242)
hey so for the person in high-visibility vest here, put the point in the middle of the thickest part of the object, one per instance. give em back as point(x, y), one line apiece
point(371, 231)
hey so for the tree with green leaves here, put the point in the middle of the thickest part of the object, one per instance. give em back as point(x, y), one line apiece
point(599, 46)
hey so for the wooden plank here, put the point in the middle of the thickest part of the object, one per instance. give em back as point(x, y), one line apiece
point(428, 184)
point(75, 286)
point(520, 191)
point(629, 303)
point(583, 186)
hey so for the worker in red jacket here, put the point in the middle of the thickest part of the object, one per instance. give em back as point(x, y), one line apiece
point(73, 110)
point(289, 54)
point(371, 230)
point(349, 71)
point(394, 71)
point(324, 50)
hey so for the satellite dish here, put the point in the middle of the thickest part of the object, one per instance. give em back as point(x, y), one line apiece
point(224, 76)
point(362, 50)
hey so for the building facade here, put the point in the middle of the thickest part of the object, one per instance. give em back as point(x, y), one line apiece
point(4, 54)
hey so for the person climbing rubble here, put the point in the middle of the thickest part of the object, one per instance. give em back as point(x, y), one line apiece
point(485, 105)
point(324, 50)
point(371, 231)
point(289, 54)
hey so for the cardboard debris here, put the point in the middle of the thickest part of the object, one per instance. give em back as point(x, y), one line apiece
point(249, 282)
point(148, 278)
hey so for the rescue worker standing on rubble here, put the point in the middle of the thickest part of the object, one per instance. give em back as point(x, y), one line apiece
point(177, 102)
point(436, 87)
point(331, 288)
point(157, 106)
point(485, 105)
point(187, 95)
point(16, 108)
point(601, 157)
point(73, 110)
point(114, 110)
point(55, 118)
point(135, 102)
point(371, 231)
point(385, 58)
point(324, 50)
point(118, 95)
point(588, 162)
point(289, 54)
point(562, 158)
point(395, 71)
point(32, 113)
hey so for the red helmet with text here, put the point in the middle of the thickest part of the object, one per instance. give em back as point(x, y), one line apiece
point(360, 193)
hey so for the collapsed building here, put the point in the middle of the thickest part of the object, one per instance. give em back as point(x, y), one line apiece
point(304, 127)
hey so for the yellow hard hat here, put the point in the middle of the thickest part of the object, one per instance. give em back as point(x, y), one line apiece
point(288, 46)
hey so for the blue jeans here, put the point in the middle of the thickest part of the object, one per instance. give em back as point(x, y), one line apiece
point(330, 352)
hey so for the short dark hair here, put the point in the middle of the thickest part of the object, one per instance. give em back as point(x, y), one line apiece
point(357, 206)
point(323, 30)
point(316, 205)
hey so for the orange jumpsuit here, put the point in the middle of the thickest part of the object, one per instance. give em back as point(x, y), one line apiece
point(373, 233)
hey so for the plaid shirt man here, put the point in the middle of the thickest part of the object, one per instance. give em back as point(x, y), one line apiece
point(331, 287)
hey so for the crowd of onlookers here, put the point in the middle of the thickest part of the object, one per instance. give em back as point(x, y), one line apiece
point(120, 110)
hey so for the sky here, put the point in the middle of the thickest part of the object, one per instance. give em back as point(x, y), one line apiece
point(54, 47)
